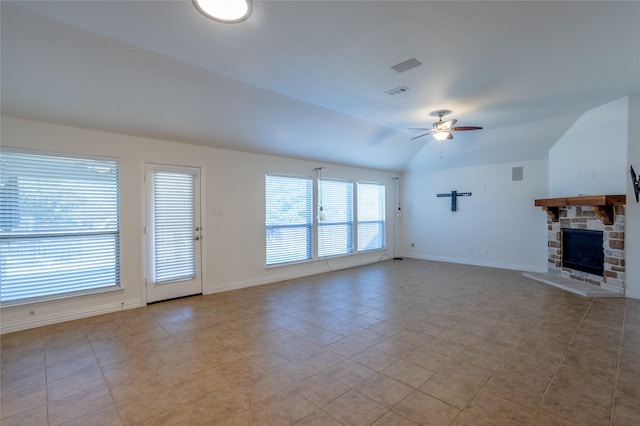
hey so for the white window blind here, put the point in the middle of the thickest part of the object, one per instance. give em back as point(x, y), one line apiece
point(288, 219)
point(59, 229)
point(174, 224)
point(335, 229)
point(371, 217)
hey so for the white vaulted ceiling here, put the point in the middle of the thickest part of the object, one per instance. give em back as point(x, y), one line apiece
point(306, 79)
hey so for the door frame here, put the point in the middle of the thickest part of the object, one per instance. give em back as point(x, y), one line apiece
point(144, 217)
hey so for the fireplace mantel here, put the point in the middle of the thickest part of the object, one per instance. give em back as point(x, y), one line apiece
point(603, 205)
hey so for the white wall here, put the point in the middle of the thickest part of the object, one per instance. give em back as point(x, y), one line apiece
point(632, 216)
point(497, 226)
point(590, 158)
point(233, 214)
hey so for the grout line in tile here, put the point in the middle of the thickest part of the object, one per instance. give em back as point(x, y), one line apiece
point(615, 387)
point(564, 354)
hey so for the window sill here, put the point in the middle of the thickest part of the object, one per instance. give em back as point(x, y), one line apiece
point(323, 258)
point(60, 297)
point(297, 262)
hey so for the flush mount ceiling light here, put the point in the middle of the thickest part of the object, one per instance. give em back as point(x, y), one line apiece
point(226, 11)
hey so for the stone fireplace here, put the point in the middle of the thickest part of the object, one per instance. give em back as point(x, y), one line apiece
point(595, 213)
point(583, 250)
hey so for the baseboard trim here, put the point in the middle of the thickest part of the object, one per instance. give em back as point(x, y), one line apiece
point(632, 295)
point(318, 267)
point(68, 316)
point(473, 262)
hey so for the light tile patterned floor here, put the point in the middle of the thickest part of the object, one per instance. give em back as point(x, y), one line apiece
point(396, 343)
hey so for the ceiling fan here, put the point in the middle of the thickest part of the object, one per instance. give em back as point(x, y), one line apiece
point(441, 130)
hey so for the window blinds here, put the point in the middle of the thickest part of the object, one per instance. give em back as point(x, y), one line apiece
point(335, 231)
point(174, 225)
point(371, 216)
point(288, 219)
point(59, 229)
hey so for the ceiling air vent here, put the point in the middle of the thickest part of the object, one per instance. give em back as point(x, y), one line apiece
point(397, 91)
point(407, 65)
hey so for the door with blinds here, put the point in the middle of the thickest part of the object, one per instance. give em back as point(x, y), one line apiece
point(173, 232)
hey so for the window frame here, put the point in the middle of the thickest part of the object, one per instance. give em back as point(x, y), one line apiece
point(77, 235)
point(350, 223)
point(381, 222)
point(308, 226)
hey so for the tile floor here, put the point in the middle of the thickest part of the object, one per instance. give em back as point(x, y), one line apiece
point(396, 343)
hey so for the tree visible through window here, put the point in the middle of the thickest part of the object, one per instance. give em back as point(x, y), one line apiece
point(59, 229)
point(288, 219)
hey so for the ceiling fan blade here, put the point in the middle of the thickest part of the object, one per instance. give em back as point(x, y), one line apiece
point(419, 136)
point(462, 128)
point(424, 129)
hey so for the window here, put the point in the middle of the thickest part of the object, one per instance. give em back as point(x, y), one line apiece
point(335, 226)
point(288, 219)
point(371, 225)
point(59, 229)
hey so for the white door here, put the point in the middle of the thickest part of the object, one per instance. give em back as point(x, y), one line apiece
point(173, 232)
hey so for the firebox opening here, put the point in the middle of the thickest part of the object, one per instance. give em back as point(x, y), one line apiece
point(582, 250)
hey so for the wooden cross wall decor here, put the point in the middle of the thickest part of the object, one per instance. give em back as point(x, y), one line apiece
point(454, 197)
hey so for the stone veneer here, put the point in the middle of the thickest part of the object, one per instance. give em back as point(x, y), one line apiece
point(613, 245)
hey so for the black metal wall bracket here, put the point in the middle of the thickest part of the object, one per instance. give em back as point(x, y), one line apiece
point(635, 180)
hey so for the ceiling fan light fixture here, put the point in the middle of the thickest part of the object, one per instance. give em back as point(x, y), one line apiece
point(441, 130)
point(441, 136)
point(225, 11)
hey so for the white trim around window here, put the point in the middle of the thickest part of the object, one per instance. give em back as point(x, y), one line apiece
point(288, 219)
point(59, 226)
